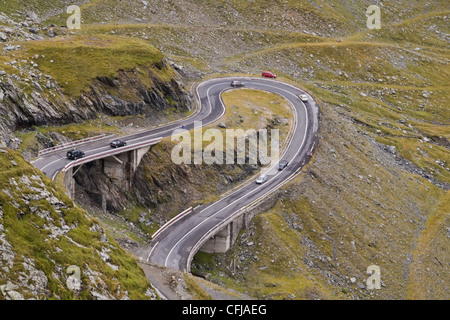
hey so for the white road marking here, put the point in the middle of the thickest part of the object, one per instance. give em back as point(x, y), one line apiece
point(92, 151)
point(42, 169)
point(254, 190)
point(150, 253)
point(54, 176)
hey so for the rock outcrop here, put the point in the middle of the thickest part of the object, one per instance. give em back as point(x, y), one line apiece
point(50, 249)
point(21, 110)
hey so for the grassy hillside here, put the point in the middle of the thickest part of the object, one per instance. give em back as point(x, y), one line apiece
point(351, 208)
point(75, 62)
point(377, 191)
point(42, 233)
point(162, 189)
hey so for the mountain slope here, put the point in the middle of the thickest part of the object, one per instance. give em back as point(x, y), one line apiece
point(377, 190)
point(43, 234)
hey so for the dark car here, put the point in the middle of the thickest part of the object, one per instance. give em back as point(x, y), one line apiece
point(237, 84)
point(75, 154)
point(282, 164)
point(118, 143)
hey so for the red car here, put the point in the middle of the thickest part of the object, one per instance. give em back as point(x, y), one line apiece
point(268, 74)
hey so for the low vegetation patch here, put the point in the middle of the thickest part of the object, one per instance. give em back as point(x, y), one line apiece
point(76, 61)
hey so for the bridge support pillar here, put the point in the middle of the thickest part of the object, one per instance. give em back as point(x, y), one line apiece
point(120, 168)
point(137, 156)
point(69, 183)
point(225, 238)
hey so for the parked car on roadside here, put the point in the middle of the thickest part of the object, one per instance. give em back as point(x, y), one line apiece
point(268, 74)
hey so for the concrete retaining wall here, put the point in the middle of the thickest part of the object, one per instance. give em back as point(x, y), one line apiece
point(223, 240)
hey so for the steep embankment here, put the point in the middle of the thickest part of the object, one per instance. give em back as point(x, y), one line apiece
point(377, 192)
point(377, 189)
point(76, 78)
point(46, 243)
point(353, 207)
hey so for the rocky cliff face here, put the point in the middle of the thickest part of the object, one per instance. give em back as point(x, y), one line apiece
point(21, 110)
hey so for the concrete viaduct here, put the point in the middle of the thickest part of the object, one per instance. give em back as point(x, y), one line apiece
point(118, 164)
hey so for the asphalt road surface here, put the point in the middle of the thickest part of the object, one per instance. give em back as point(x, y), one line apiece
point(175, 246)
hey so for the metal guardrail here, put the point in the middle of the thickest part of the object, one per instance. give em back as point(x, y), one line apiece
point(74, 143)
point(250, 206)
point(174, 219)
point(105, 154)
point(209, 234)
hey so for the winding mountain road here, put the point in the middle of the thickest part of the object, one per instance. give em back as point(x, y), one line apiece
point(176, 244)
